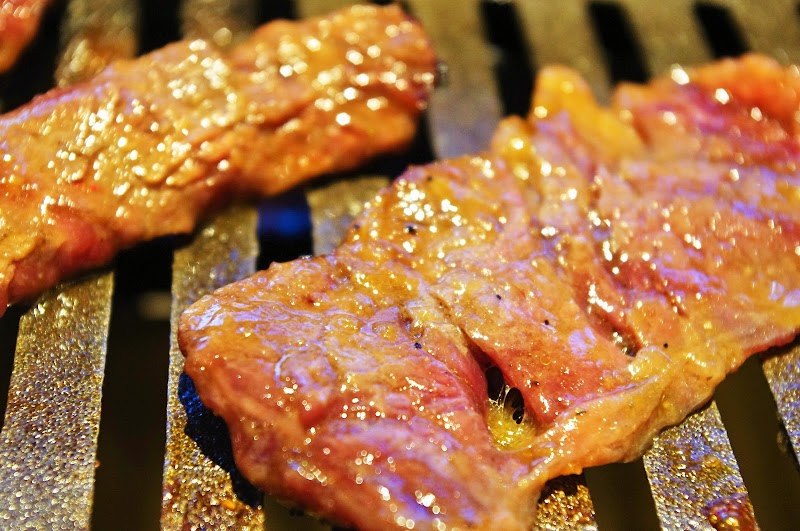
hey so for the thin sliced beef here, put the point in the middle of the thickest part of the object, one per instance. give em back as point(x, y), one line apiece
point(19, 22)
point(613, 263)
point(151, 144)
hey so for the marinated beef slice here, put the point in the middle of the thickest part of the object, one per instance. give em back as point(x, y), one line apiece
point(150, 145)
point(614, 264)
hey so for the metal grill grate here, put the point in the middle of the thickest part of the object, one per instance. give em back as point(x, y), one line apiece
point(49, 439)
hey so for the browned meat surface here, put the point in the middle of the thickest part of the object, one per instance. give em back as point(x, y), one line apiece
point(151, 144)
point(19, 21)
point(614, 264)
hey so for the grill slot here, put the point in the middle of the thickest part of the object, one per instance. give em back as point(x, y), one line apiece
point(614, 32)
point(512, 63)
point(721, 30)
point(690, 468)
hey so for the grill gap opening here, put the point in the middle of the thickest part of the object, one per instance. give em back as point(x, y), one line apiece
point(509, 426)
point(419, 152)
point(748, 412)
point(275, 9)
point(160, 23)
point(130, 450)
point(618, 39)
point(284, 229)
point(619, 485)
point(512, 67)
point(9, 326)
point(501, 393)
point(721, 30)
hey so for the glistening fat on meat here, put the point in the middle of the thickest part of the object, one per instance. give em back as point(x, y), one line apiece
point(613, 263)
point(151, 144)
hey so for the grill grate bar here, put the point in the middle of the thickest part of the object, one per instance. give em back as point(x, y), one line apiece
point(48, 444)
point(49, 439)
point(694, 477)
point(769, 27)
point(690, 466)
point(201, 488)
point(668, 32)
point(465, 110)
point(562, 33)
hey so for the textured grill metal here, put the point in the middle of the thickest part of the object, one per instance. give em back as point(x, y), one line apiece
point(49, 438)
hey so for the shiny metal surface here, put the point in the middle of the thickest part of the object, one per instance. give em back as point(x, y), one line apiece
point(694, 477)
point(201, 488)
point(570, 41)
point(49, 439)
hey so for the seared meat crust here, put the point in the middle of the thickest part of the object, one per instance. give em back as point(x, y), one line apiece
point(151, 144)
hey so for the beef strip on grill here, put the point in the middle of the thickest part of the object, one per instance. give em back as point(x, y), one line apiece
point(19, 22)
point(614, 264)
point(149, 145)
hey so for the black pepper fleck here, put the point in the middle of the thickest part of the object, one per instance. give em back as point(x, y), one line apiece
point(411, 229)
point(547, 322)
point(356, 226)
point(417, 345)
point(498, 296)
point(666, 345)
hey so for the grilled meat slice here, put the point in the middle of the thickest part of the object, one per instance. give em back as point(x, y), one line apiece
point(613, 263)
point(19, 22)
point(149, 145)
